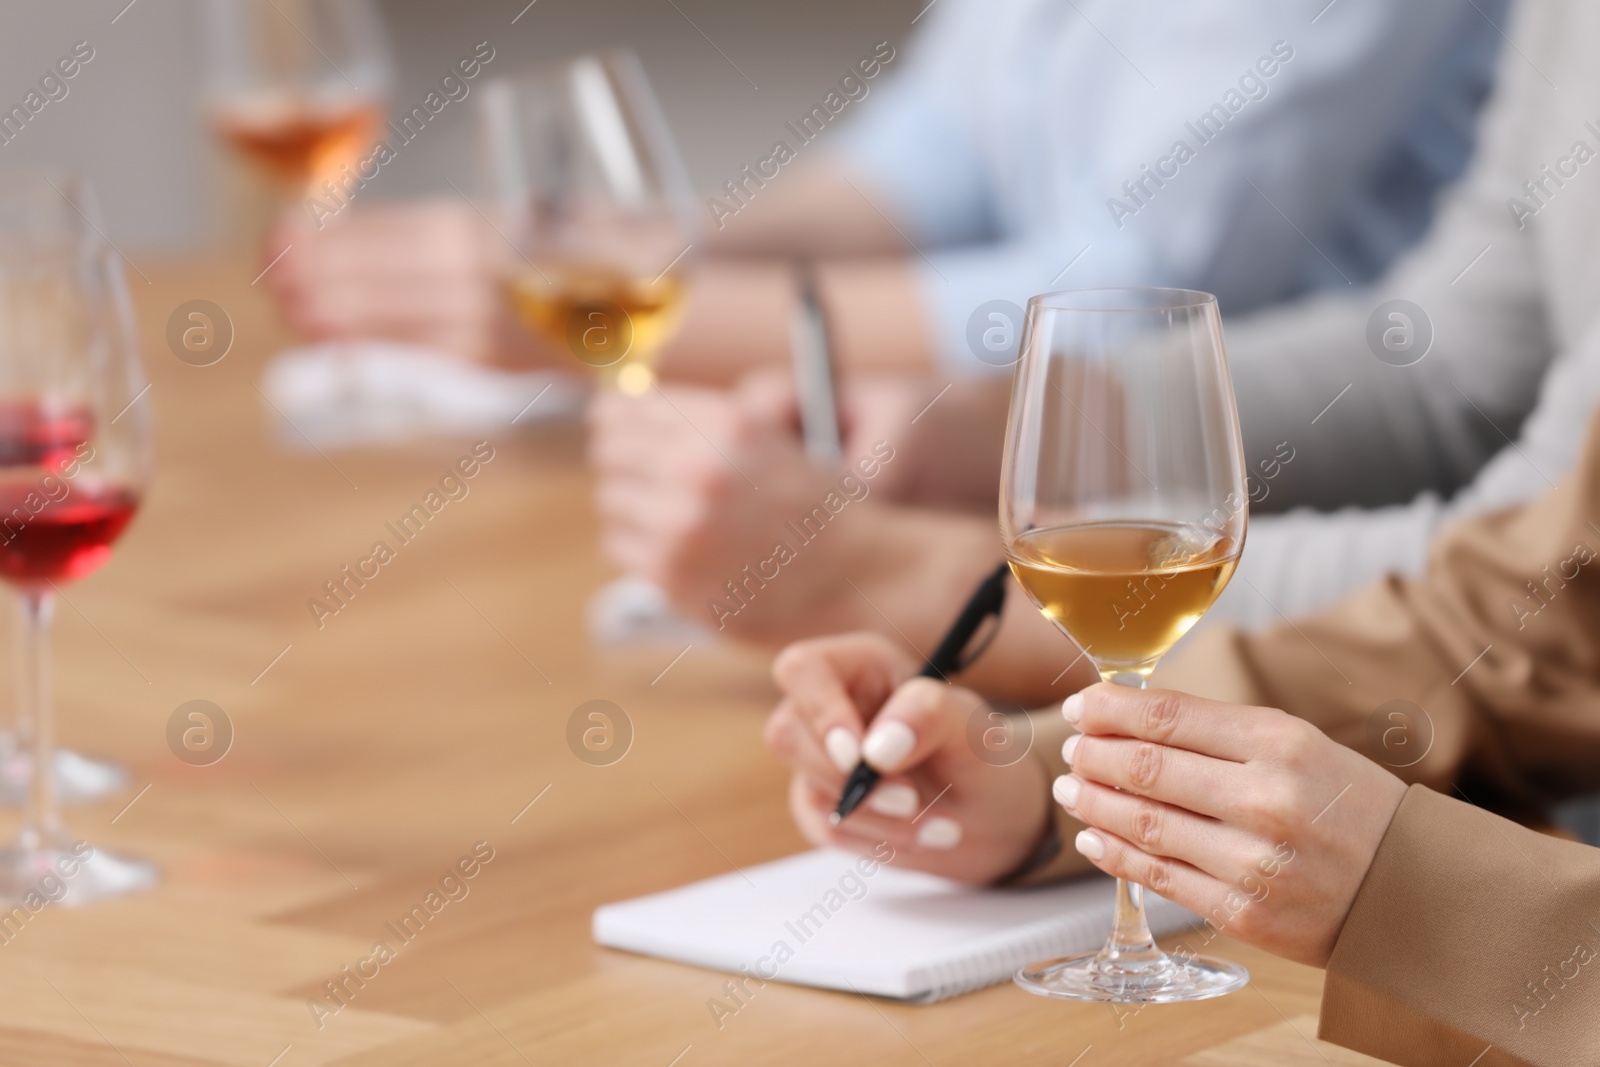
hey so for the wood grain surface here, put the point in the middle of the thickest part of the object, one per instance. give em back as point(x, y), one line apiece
point(372, 755)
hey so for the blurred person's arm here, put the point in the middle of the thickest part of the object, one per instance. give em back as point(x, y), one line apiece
point(921, 148)
point(1324, 374)
point(742, 298)
point(1315, 380)
point(739, 312)
point(1353, 546)
point(423, 272)
point(711, 495)
point(416, 271)
point(1003, 196)
point(818, 209)
point(949, 432)
point(906, 173)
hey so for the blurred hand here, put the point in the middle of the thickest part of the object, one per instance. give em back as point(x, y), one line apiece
point(696, 484)
point(880, 408)
point(1248, 816)
point(416, 272)
point(942, 808)
point(949, 434)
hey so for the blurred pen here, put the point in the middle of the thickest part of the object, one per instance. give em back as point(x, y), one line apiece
point(812, 349)
point(987, 600)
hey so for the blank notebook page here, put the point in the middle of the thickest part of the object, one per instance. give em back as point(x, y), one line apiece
point(821, 919)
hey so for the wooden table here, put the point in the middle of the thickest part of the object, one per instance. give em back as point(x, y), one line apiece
point(429, 714)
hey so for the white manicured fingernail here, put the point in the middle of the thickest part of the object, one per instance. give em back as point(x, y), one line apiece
point(1070, 747)
point(1066, 790)
point(1072, 707)
point(888, 744)
point(842, 748)
point(939, 832)
point(1090, 844)
point(895, 799)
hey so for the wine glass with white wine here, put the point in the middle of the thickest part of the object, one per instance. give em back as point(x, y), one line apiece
point(1123, 510)
point(585, 185)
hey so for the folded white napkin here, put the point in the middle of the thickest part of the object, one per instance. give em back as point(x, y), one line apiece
point(351, 393)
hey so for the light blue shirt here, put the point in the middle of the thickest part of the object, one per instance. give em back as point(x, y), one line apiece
point(1031, 145)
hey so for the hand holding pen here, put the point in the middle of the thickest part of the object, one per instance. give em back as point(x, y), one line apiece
point(856, 695)
point(985, 604)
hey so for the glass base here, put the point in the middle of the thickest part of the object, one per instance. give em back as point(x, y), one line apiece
point(1092, 976)
point(59, 875)
point(79, 779)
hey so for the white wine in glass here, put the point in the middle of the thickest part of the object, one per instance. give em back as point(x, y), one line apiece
point(559, 299)
point(1128, 589)
point(585, 185)
point(1123, 510)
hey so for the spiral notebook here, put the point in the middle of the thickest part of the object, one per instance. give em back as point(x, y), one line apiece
point(831, 919)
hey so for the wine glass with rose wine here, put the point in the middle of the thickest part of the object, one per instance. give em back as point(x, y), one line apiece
point(77, 458)
point(1123, 513)
point(33, 434)
point(297, 87)
point(586, 187)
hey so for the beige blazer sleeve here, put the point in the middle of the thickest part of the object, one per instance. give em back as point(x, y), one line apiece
point(1473, 940)
point(1480, 678)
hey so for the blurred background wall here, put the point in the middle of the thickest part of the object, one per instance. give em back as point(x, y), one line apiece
point(131, 118)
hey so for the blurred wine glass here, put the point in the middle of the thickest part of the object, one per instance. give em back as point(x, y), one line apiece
point(585, 185)
point(1123, 511)
point(75, 437)
point(297, 87)
point(29, 435)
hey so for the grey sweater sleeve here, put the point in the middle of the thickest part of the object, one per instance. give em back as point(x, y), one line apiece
point(1305, 560)
point(1368, 432)
point(1404, 447)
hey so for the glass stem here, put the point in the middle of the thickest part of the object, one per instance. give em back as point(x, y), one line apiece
point(14, 737)
point(41, 822)
point(1130, 945)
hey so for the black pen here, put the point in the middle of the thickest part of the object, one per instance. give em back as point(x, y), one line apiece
point(988, 599)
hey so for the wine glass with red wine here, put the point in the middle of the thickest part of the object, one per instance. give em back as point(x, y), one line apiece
point(75, 454)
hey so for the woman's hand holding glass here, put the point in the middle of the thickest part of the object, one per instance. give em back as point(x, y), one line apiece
point(1250, 817)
